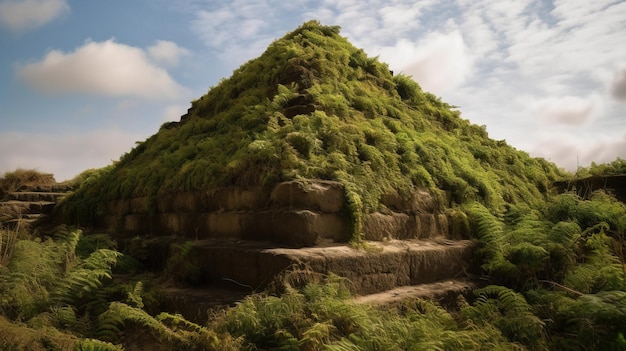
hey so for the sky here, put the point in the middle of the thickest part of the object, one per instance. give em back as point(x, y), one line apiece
point(83, 81)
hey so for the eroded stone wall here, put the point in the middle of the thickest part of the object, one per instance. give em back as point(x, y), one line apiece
point(294, 213)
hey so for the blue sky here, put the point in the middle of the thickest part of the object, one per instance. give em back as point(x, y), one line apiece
point(82, 81)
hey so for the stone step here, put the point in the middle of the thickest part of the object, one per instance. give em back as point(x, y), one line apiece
point(51, 188)
point(35, 196)
point(295, 228)
point(444, 292)
point(17, 207)
point(195, 304)
point(379, 267)
point(302, 213)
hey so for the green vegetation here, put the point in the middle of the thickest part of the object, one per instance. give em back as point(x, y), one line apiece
point(314, 106)
point(52, 293)
point(618, 166)
point(556, 273)
point(567, 259)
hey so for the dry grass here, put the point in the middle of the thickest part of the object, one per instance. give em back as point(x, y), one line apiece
point(8, 238)
point(24, 178)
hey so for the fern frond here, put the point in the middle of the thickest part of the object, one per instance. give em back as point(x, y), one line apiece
point(110, 323)
point(511, 301)
point(85, 278)
point(121, 312)
point(16, 336)
point(489, 229)
point(96, 345)
point(67, 242)
point(607, 306)
point(77, 284)
point(508, 311)
point(316, 336)
point(102, 259)
point(134, 296)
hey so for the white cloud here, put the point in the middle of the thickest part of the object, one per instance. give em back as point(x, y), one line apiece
point(167, 52)
point(101, 68)
point(567, 110)
point(242, 29)
point(172, 113)
point(618, 85)
point(22, 15)
point(64, 155)
point(439, 62)
point(570, 151)
point(237, 30)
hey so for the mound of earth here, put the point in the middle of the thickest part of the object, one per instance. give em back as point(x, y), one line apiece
point(311, 107)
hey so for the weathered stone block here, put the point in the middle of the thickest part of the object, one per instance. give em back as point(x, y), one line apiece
point(316, 195)
point(433, 263)
point(184, 224)
point(236, 199)
point(187, 201)
point(418, 201)
point(297, 228)
point(118, 207)
point(138, 205)
point(225, 224)
point(378, 226)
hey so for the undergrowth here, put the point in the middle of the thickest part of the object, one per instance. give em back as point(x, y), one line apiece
point(556, 282)
point(567, 260)
point(52, 293)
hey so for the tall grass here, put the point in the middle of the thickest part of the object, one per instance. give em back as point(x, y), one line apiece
point(8, 238)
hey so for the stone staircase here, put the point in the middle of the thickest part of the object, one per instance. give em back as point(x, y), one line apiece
point(244, 244)
point(30, 205)
point(382, 273)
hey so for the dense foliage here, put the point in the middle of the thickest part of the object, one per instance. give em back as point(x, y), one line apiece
point(567, 258)
point(556, 273)
point(314, 106)
point(616, 167)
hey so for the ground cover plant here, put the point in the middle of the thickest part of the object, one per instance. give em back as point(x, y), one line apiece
point(555, 281)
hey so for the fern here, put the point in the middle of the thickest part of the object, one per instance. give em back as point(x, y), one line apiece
point(317, 335)
point(17, 336)
point(134, 296)
point(487, 227)
point(490, 232)
point(589, 322)
point(607, 307)
point(171, 330)
point(96, 345)
point(118, 313)
point(85, 278)
point(509, 312)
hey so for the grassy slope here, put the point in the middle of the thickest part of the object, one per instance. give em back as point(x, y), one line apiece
point(374, 132)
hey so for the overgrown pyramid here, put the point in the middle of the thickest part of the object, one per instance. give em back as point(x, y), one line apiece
point(320, 117)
